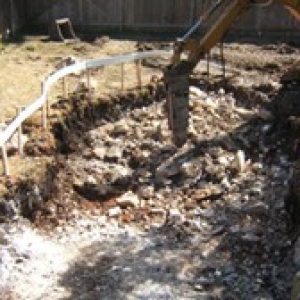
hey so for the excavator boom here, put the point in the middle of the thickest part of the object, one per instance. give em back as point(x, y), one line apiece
point(217, 22)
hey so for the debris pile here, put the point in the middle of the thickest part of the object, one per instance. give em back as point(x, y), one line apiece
point(221, 195)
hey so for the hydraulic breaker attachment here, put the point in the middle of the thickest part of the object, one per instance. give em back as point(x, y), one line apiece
point(177, 85)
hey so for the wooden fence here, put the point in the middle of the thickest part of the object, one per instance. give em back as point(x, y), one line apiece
point(153, 15)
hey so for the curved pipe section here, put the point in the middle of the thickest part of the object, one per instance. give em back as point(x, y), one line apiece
point(79, 67)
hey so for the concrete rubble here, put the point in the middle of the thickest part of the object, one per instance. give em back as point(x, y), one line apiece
point(223, 193)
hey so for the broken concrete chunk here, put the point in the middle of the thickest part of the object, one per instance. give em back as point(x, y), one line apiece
point(121, 127)
point(146, 192)
point(114, 152)
point(175, 216)
point(251, 237)
point(196, 92)
point(240, 161)
point(166, 170)
point(190, 169)
point(114, 212)
point(128, 199)
point(99, 152)
point(223, 160)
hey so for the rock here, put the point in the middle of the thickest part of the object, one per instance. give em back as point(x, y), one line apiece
point(92, 191)
point(251, 237)
point(121, 127)
point(128, 199)
point(196, 92)
point(209, 192)
point(223, 160)
point(190, 169)
point(114, 212)
point(99, 152)
point(167, 170)
point(175, 216)
point(146, 192)
point(205, 213)
point(91, 180)
point(114, 153)
point(239, 162)
point(259, 208)
point(158, 211)
point(221, 92)
point(7, 210)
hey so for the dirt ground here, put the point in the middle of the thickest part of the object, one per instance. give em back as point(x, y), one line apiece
point(118, 212)
point(25, 65)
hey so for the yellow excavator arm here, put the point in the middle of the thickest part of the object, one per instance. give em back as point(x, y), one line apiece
point(190, 49)
point(293, 6)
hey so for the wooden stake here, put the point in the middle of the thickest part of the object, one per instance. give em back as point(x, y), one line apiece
point(122, 77)
point(20, 132)
point(5, 161)
point(47, 100)
point(65, 88)
point(139, 73)
point(222, 60)
point(88, 74)
point(208, 65)
point(44, 110)
point(44, 116)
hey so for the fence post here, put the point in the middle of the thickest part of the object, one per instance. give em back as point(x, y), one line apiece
point(5, 160)
point(139, 73)
point(122, 77)
point(20, 132)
